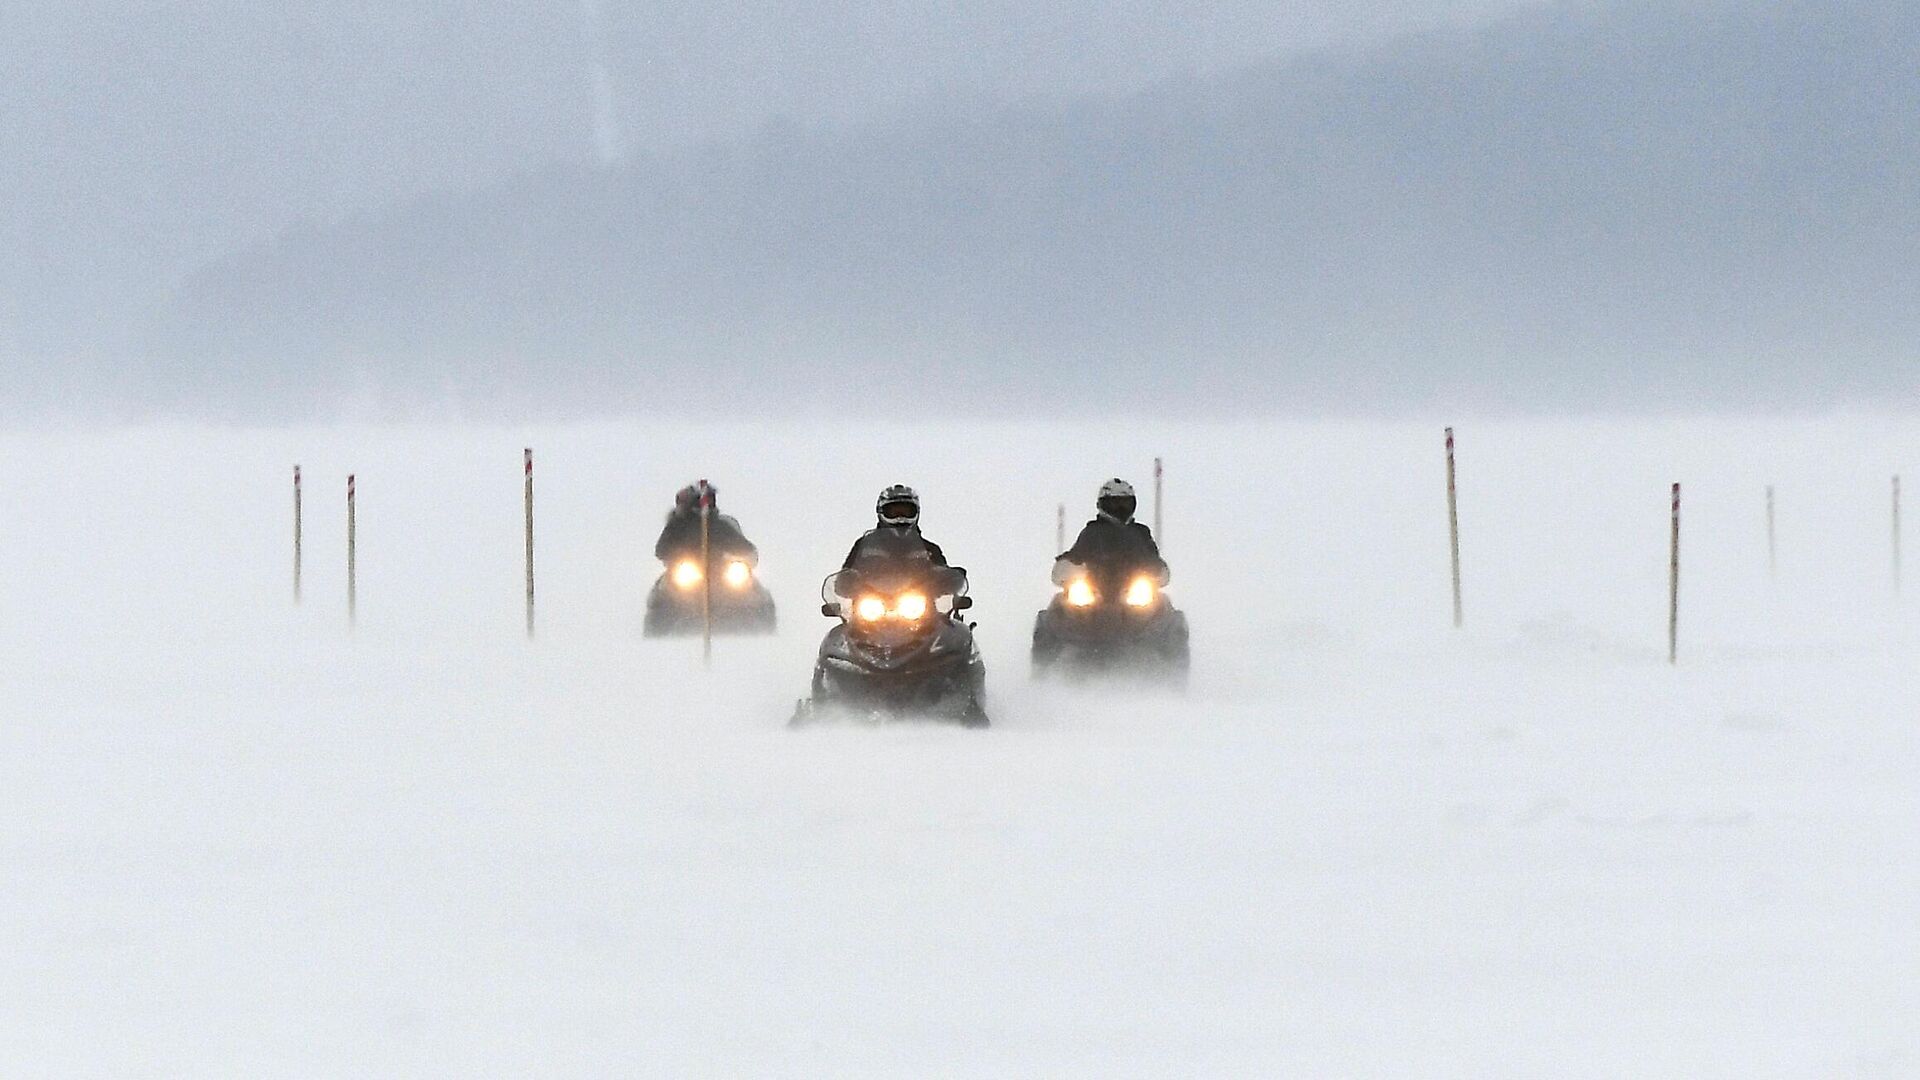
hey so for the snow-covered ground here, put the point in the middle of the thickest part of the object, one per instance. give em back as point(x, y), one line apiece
point(239, 842)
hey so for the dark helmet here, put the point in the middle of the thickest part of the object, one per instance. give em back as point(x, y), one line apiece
point(898, 506)
point(1116, 502)
point(687, 499)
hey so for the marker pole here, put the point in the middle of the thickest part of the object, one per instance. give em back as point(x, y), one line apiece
point(706, 574)
point(1060, 529)
point(296, 534)
point(1773, 554)
point(527, 458)
point(1453, 530)
point(1896, 535)
point(1159, 474)
point(352, 568)
point(1673, 584)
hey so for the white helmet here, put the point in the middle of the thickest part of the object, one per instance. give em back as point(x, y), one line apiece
point(1116, 501)
point(898, 505)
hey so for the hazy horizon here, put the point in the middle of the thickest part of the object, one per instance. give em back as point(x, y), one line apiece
point(1513, 206)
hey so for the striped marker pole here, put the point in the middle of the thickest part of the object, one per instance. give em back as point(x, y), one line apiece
point(1896, 535)
point(1453, 531)
point(353, 598)
point(1060, 529)
point(1673, 584)
point(296, 534)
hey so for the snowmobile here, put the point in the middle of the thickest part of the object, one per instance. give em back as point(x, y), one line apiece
point(1111, 622)
point(901, 651)
point(739, 603)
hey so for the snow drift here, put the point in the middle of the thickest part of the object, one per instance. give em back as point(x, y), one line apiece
point(240, 841)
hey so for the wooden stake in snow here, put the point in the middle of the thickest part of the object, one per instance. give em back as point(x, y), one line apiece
point(706, 574)
point(527, 457)
point(1896, 535)
point(296, 534)
point(1060, 529)
point(1159, 474)
point(1453, 530)
point(1773, 559)
point(352, 583)
point(1673, 584)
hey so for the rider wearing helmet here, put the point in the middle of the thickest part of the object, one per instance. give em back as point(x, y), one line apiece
point(1113, 542)
point(681, 536)
point(897, 535)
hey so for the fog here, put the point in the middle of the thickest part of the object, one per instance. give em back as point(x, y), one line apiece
point(596, 208)
point(142, 140)
point(1591, 757)
point(243, 840)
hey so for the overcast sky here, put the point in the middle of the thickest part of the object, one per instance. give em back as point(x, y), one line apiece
point(157, 157)
point(142, 139)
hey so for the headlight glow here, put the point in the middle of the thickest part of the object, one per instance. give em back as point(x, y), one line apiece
point(1080, 593)
point(686, 573)
point(870, 609)
point(738, 574)
point(1140, 592)
point(911, 607)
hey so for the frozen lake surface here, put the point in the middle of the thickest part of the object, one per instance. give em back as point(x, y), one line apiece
point(241, 842)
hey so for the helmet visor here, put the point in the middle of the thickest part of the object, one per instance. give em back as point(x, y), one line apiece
point(900, 512)
point(1120, 506)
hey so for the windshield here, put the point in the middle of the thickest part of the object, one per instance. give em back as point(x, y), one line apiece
point(895, 589)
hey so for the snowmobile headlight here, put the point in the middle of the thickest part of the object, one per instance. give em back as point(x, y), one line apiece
point(1080, 593)
point(1140, 593)
point(738, 574)
point(911, 607)
point(870, 609)
point(686, 573)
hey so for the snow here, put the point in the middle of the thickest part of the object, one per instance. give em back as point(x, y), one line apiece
point(239, 841)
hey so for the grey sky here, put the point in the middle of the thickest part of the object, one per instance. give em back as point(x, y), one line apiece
point(1638, 205)
point(142, 139)
point(216, 190)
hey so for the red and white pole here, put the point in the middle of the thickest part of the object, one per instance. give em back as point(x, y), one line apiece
point(353, 598)
point(1453, 530)
point(296, 534)
point(527, 457)
point(1673, 584)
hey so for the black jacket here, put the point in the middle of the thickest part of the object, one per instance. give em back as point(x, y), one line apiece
point(891, 544)
point(1111, 548)
point(681, 538)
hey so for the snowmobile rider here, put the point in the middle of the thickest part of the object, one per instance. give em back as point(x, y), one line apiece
point(897, 536)
point(1113, 544)
point(680, 538)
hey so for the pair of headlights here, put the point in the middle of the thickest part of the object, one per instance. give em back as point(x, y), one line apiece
point(907, 607)
point(736, 575)
point(1141, 592)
